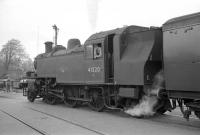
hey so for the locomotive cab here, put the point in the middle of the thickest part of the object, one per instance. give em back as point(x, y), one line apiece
point(129, 59)
point(99, 57)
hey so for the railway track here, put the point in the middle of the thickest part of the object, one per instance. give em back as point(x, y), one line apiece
point(40, 114)
point(25, 123)
point(177, 120)
point(166, 118)
point(68, 121)
point(172, 119)
point(49, 115)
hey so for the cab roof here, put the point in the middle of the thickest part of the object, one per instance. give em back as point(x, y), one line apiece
point(117, 31)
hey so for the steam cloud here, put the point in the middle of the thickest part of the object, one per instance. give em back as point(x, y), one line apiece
point(144, 108)
point(148, 102)
point(92, 6)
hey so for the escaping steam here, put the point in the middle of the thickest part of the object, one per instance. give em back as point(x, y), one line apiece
point(144, 108)
point(92, 6)
point(148, 102)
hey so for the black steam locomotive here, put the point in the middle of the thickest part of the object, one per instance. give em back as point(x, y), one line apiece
point(116, 68)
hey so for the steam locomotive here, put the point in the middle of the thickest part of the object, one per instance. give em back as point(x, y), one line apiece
point(116, 68)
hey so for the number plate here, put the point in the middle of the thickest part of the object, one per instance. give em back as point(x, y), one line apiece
point(94, 69)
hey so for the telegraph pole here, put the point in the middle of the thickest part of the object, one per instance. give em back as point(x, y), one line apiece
point(56, 33)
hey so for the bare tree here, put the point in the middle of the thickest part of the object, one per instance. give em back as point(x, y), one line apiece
point(27, 65)
point(13, 55)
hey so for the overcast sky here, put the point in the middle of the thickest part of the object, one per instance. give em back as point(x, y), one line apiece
point(30, 21)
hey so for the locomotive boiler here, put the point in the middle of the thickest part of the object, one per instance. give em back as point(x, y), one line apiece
point(116, 68)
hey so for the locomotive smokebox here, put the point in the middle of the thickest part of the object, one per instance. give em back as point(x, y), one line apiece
point(48, 46)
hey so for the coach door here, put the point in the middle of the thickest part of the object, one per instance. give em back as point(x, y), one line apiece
point(94, 62)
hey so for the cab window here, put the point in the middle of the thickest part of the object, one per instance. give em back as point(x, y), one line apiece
point(97, 51)
point(94, 51)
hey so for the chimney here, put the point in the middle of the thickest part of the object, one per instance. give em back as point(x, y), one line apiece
point(48, 46)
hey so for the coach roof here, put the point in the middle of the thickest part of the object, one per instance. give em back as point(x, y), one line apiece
point(182, 21)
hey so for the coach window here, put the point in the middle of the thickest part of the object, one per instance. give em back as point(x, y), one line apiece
point(97, 51)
